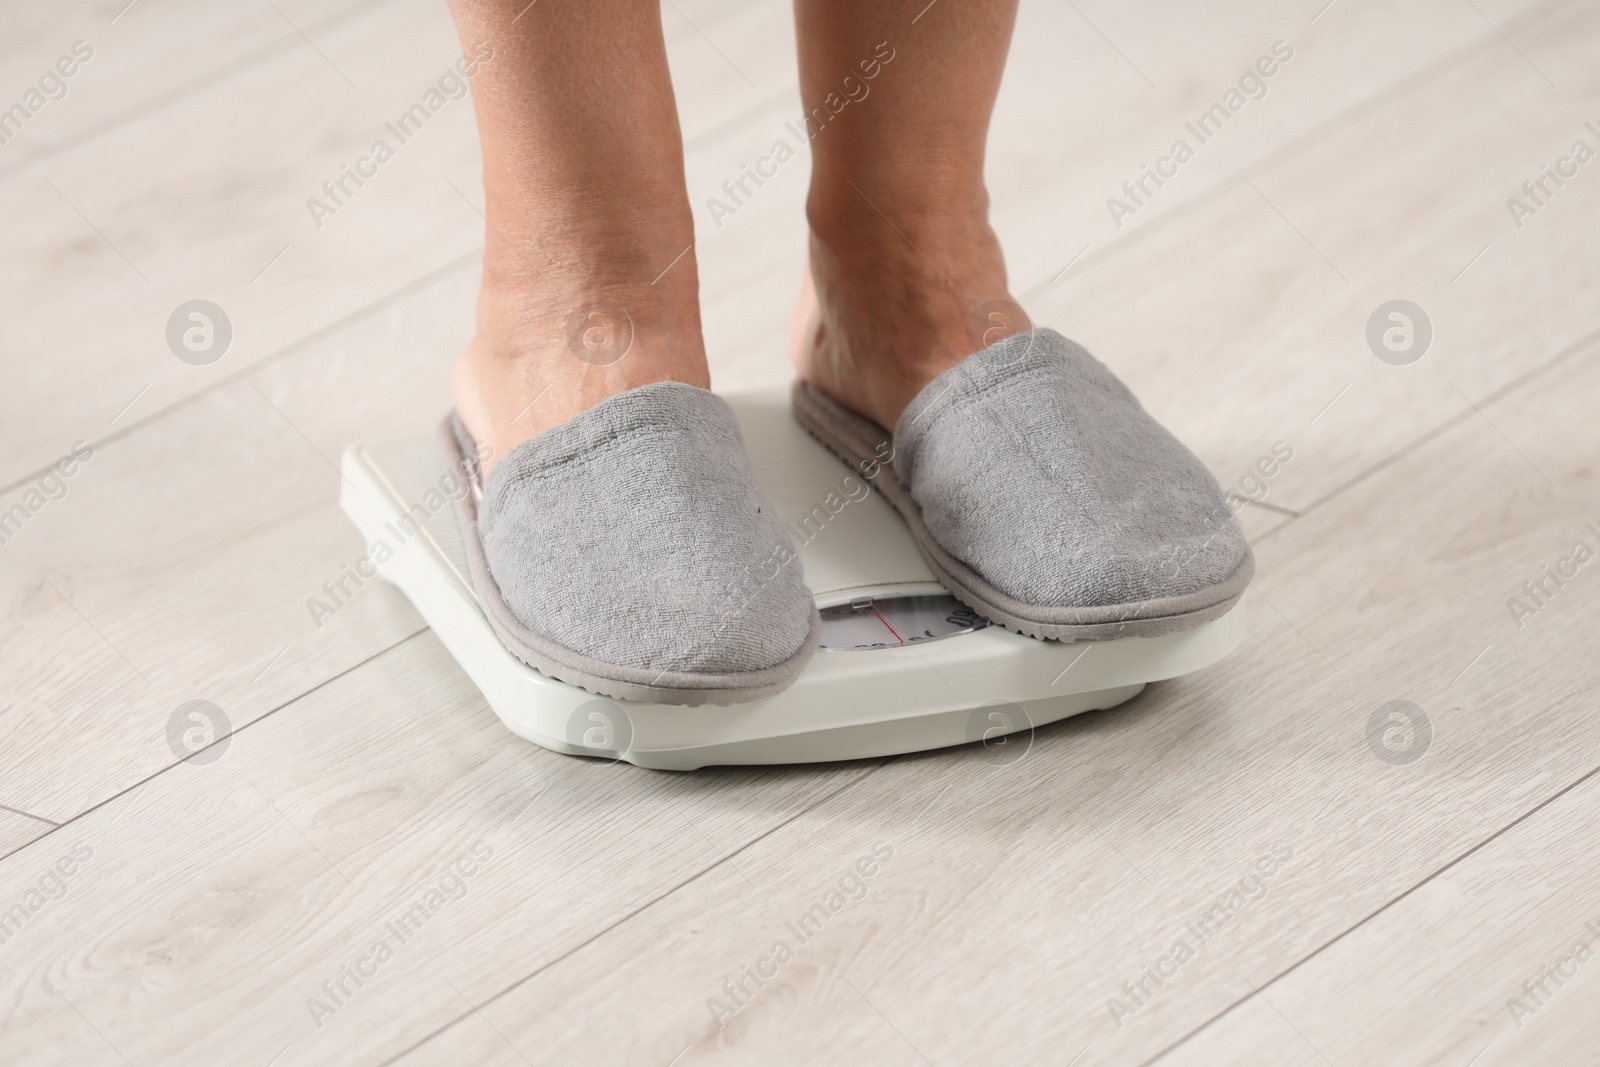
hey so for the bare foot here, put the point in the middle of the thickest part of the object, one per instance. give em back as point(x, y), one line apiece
point(884, 309)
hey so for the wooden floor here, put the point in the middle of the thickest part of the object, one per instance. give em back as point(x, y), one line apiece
point(1223, 870)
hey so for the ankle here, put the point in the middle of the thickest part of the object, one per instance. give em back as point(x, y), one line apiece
point(894, 300)
point(933, 257)
point(942, 298)
point(584, 318)
point(550, 345)
point(937, 216)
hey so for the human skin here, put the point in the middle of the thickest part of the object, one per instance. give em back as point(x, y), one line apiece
point(902, 257)
point(589, 284)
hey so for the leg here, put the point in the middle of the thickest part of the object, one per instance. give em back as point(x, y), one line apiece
point(586, 205)
point(1044, 496)
point(902, 256)
point(633, 556)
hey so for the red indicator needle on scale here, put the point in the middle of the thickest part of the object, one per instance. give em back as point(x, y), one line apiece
point(885, 622)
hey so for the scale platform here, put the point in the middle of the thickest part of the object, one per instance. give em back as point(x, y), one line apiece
point(903, 666)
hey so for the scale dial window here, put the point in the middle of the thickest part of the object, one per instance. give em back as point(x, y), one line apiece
point(869, 623)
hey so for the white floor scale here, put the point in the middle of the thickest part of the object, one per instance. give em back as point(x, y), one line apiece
point(903, 666)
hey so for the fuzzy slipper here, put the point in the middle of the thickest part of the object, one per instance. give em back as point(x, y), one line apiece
point(1045, 497)
point(629, 552)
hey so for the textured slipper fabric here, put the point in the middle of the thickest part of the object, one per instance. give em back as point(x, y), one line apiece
point(1044, 496)
point(629, 552)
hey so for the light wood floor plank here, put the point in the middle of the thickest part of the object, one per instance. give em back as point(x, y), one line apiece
point(182, 216)
point(179, 566)
point(232, 890)
point(1402, 216)
point(139, 56)
point(1480, 965)
point(17, 829)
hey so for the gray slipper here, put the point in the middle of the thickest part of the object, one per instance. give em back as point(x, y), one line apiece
point(1045, 497)
point(629, 552)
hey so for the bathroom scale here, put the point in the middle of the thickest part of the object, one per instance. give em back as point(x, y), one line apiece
point(903, 666)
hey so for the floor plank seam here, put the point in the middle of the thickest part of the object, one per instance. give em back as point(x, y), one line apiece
point(177, 93)
point(416, 285)
point(652, 902)
point(1513, 824)
point(1373, 102)
point(28, 815)
point(1495, 397)
point(55, 826)
point(1588, 340)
